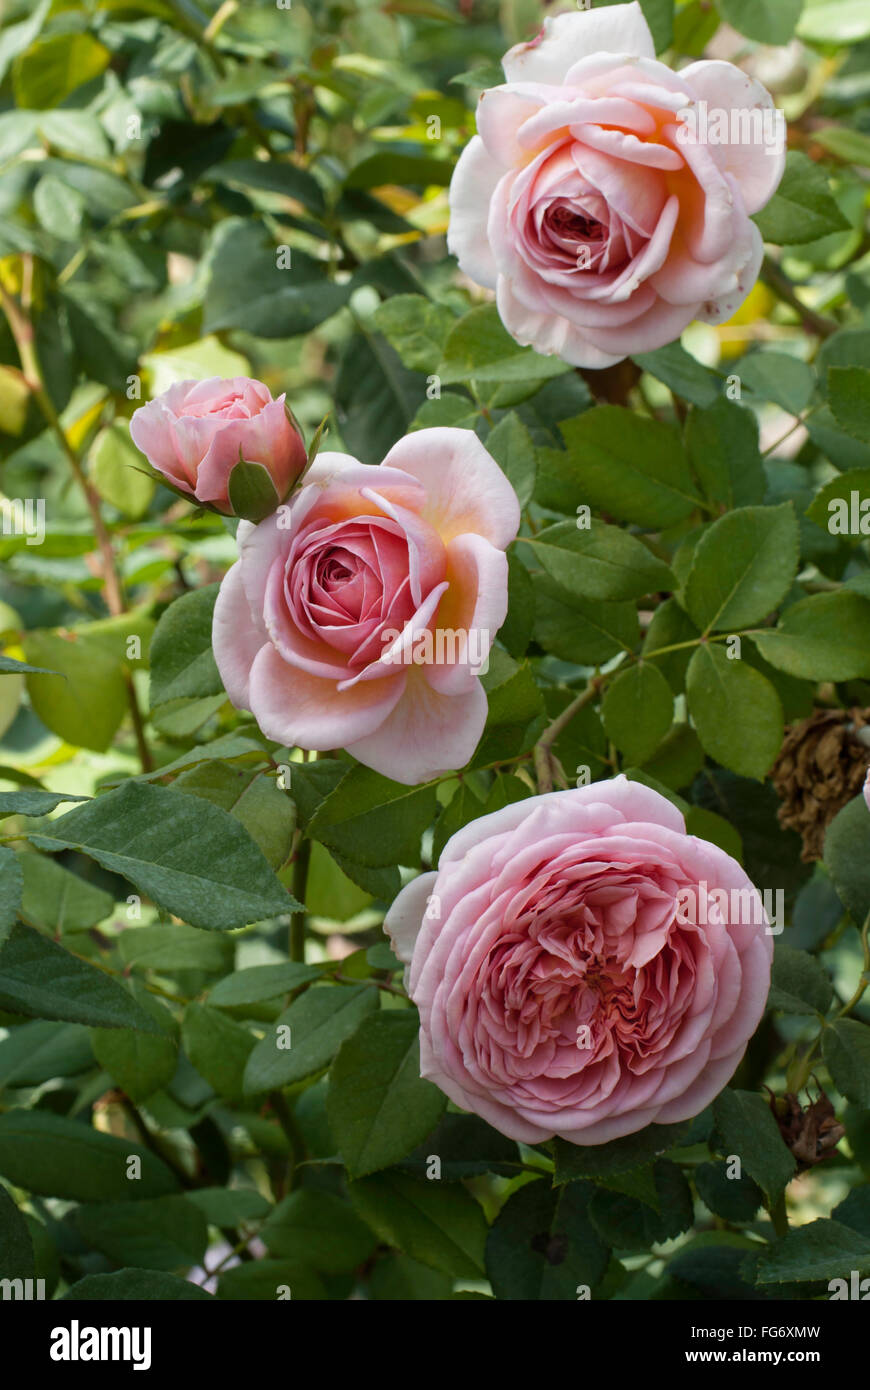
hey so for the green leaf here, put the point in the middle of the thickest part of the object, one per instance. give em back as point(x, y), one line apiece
point(391, 166)
point(260, 982)
point(542, 1244)
point(676, 762)
point(223, 1206)
point(778, 377)
point(846, 1050)
point(766, 21)
point(842, 506)
point(638, 710)
point(800, 984)
point(734, 1199)
point(116, 472)
point(511, 446)
point(175, 948)
point(181, 659)
point(40, 979)
point(631, 467)
point(9, 666)
point(479, 348)
point(218, 1047)
point(736, 711)
point(854, 1210)
point(266, 1280)
point(825, 637)
point(86, 708)
point(16, 1248)
point(599, 561)
point(135, 1285)
point(853, 146)
point(627, 1222)
point(417, 329)
point(670, 626)
point(307, 1035)
point(820, 1250)
point(847, 857)
point(252, 798)
point(53, 67)
point(11, 886)
point(32, 1053)
point(803, 207)
point(319, 1229)
point(379, 1106)
point(162, 1233)
point(374, 820)
point(619, 1156)
point(376, 396)
point(271, 176)
point(682, 373)
point(190, 857)
point(465, 1146)
point(581, 631)
point(251, 491)
point(835, 21)
point(743, 567)
point(57, 1157)
point(140, 1063)
point(58, 207)
point(439, 1225)
point(33, 801)
point(849, 397)
point(515, 632)
point(263, 288)
point(745, 1126)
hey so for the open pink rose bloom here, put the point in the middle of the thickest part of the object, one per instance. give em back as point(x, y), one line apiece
point(582, 966)
point(607, 199)
point(195, 433)
point(360, 615)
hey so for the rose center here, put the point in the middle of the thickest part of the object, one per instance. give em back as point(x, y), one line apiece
point(576, 225)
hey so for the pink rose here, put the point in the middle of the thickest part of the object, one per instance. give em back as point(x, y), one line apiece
point(574, 974)
point(598, 199)
point(361, 614)
point(196, 432)
point(867, 788)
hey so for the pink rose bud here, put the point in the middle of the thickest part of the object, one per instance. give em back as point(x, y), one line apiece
point(361, 614)
point(226, 443)
point(582, 966)
point(606, 199)
point(867, 788)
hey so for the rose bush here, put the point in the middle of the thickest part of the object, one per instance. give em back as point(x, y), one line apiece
point(566, 914)
point(196, 432)
point(320, 628)
point(592, 205)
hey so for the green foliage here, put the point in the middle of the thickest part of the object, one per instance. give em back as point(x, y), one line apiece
point(206, 1043)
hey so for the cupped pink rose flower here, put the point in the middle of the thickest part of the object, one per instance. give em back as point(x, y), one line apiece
point(196, 432)
point(576, 970)
point(360, 615)
point(605, 198)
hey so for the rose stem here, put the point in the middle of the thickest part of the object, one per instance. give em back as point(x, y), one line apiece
point(543, 765)
point(779, 282)
point(21, 328)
